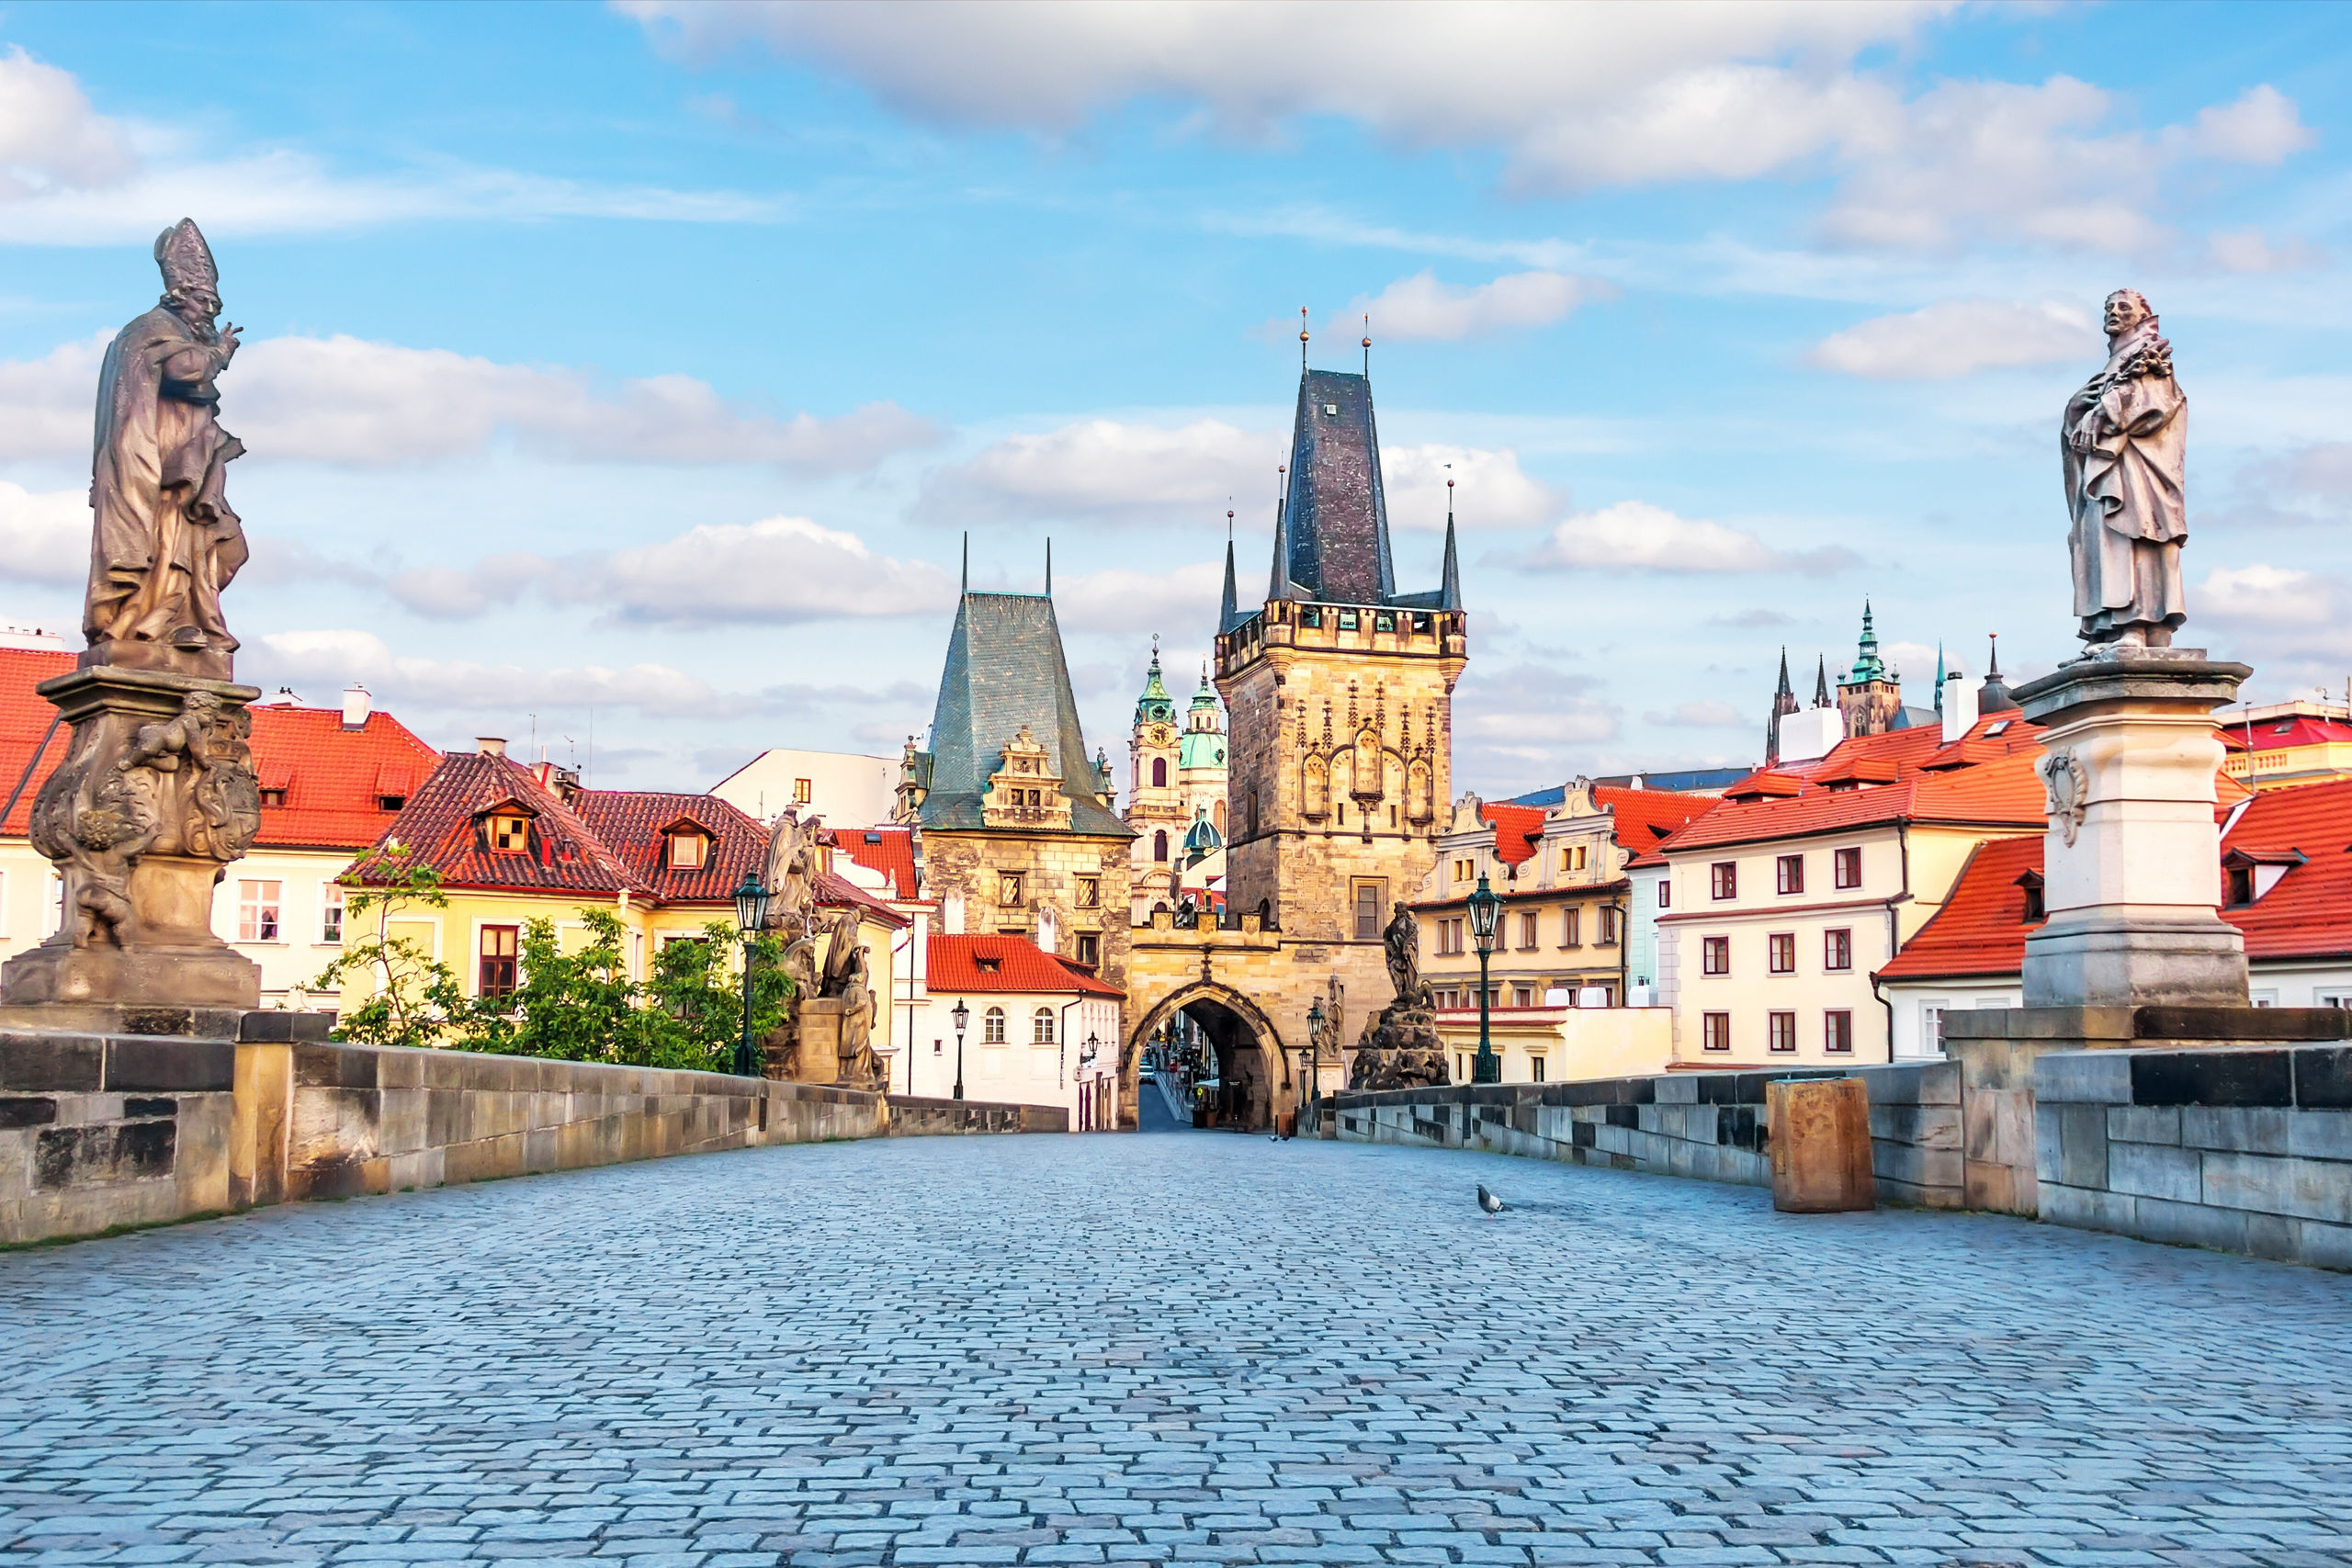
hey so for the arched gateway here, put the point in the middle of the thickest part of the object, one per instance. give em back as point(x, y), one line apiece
point(1255, 1074)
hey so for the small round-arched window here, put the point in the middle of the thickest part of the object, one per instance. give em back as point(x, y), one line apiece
point(1159, 772)
point(1159, 845)
point(1041, 1027)
point(992, 1027)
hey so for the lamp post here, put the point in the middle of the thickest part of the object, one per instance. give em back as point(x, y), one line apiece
point(1485, 909)
point(751, 914)
point(962, 1015)
point(1314, 1039)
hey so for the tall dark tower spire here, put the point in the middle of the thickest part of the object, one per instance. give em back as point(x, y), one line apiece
point(1448, 593)
point(1821, 698)
point(1229, 615)
point(1784, 702)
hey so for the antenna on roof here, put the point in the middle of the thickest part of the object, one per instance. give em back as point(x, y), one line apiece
point(1228, 539)
point(1049, 566)
point(966, 585)
point(1302, 340)
point(1367, 347)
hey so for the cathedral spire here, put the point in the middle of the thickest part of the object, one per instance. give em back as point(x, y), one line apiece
point(1229, 615)
point(1940, 675)
point(1821, 681)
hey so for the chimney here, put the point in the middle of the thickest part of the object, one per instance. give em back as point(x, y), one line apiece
point(492, 745)
point(1959, 707)
point(1812, 733)
point(354, 707)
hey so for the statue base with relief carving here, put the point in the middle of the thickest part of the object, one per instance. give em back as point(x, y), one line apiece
point(156, 793)
point(2131, 860)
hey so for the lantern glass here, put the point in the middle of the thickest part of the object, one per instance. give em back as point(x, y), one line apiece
point(962, 1015)
point(751, 904)
point(1485, 911)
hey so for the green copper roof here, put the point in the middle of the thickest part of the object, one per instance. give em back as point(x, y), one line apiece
point(1868, 665)
point(1206, 696)
point(1005, 669)
point(1201, 748)
point(1155, 702)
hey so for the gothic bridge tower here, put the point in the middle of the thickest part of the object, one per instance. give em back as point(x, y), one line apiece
point(1340, 693)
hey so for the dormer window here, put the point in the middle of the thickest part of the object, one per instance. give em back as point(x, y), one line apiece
point(2241, 886)
point(274, 797)
point(2036, 911)
point(391, 802)
point(509, 832)
point(688, 851)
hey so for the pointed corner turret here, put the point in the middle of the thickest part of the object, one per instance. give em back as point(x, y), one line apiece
point(1229, 615)
point(1448, 593)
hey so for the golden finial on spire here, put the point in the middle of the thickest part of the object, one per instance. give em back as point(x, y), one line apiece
point(1302, 340)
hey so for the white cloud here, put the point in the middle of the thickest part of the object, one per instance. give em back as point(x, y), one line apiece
point(1419, 307)
point(2019, 162)
point(777, 572)
point(1957, 337)
point(1634, 536)
point(342, 399)
point(2248, 249)
point(1126, 602)
point(1105, 471)
point(336, 658)
point(70, 176)
point(1490, 490)
point(50, 136)
point(44, 538)
point(2260, 126)
point(2262, 596)
point(1574, 96)
point(1711, 712)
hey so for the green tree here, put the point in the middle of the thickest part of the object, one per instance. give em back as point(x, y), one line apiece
point(416, 993)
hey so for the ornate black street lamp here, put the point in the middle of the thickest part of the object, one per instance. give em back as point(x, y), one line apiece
point(751, 914)
point(963, 1016)
point(1485, 911)
point(1314, 1091)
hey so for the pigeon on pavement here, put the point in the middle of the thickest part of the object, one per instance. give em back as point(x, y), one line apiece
point(1488, 1201)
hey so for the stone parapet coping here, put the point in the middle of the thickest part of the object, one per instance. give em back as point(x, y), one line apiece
point(2149, 1025)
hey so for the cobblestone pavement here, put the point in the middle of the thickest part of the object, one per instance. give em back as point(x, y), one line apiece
point(1189, 1347)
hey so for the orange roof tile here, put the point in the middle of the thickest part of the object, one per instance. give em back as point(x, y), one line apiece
point(1517, 829)
point(334, 778)
point(2005, 793)
point(981, 963)
point(2307, 913)
point(890, 851)
point(1641, 820)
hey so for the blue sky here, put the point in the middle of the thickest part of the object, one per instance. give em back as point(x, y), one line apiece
point(650, 363)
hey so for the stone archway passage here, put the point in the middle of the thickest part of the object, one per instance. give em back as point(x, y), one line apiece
point(1250, 1065)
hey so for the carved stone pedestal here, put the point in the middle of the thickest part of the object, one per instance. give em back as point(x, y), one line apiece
point(2131, 862)
point(155, 796)
point(1400, 1049)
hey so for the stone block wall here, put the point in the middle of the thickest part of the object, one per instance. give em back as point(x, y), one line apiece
point(1708, 1125)
point(917, 1118)
point(379, 1119)
point(104, 1130)
point(2246, 1148)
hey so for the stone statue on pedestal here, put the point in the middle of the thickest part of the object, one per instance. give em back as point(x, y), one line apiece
point(164, 543)
point(2124, 444)
point(157, 792)
point(1399, 1047)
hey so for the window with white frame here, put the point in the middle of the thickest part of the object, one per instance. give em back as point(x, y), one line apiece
point(992, 1027)
point(330, 911)
point(257, 909)
point(1041, 1027)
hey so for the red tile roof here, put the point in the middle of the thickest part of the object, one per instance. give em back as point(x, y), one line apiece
point(1981, 930)
point(890, 851)
point(596, 842)
point(334, 778)
point(2002, 793)
point(959, 964)
point(2278, 734)
point(1517, 829)
point(2307, 914)
point(1644, 819)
